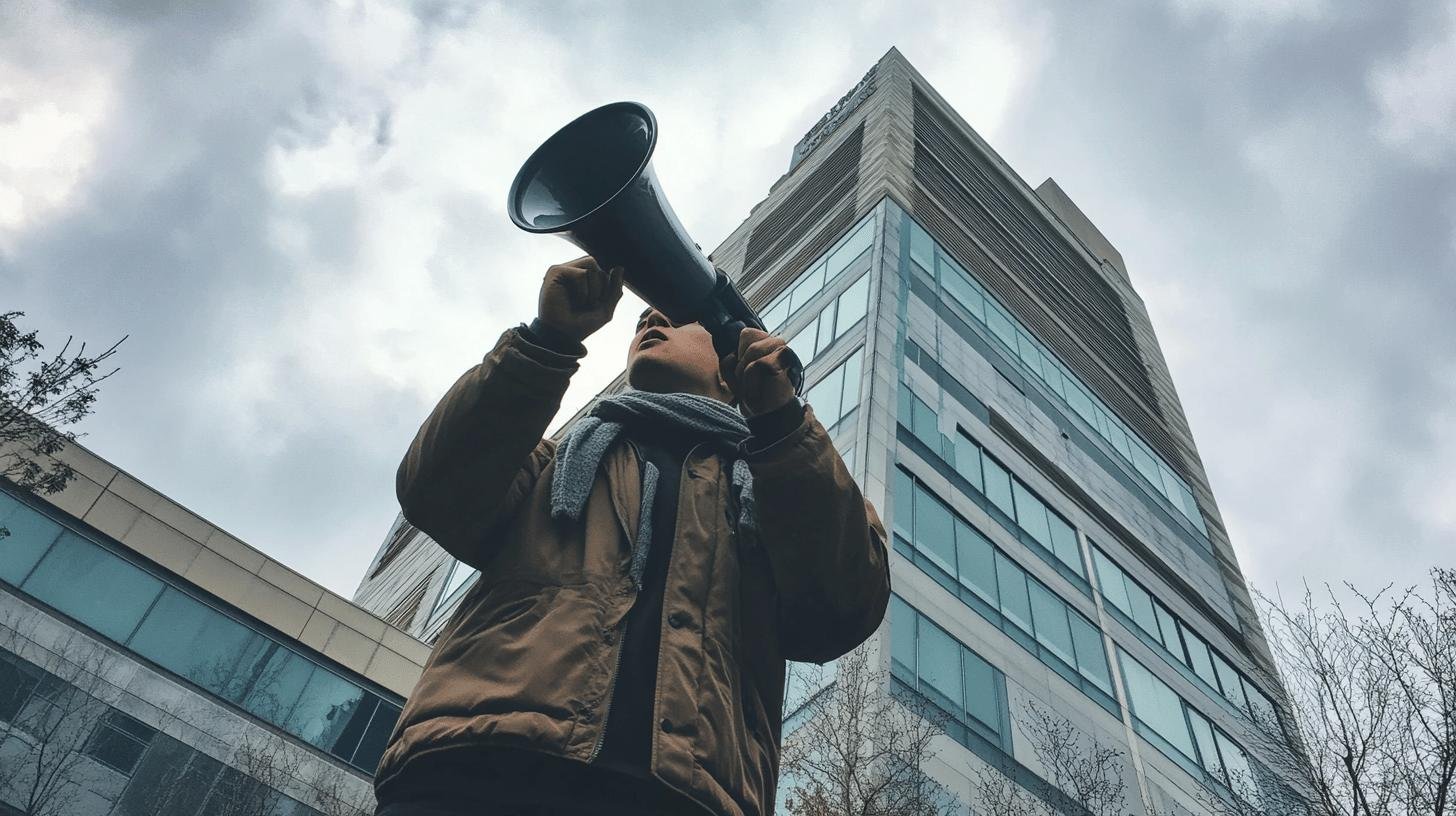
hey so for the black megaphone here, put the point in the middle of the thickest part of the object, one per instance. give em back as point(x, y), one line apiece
point(592, 183)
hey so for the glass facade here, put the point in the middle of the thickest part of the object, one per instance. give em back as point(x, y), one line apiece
point(972, 300)
point(1007, 499)
point(930, 663)
point(822, 273)
point(1146, 615)
point(964, 561)
point(836, 394)
point(838, 317)
point(166, 623)
point(1186, 735)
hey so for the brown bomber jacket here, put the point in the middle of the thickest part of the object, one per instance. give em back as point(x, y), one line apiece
point(528, 659)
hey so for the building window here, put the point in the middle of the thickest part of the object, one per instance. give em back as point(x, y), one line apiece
point(119, 741)
point(930, 663)
point(837, 395)
point(964, 561)
point(169, 626)
point(820, 274)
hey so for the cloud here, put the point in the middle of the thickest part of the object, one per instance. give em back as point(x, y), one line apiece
point(1416, 92)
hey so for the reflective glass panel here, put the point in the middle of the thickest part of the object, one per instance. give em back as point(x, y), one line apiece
point(924, 425)
point(273, 693)
point(803, 343)
point(857, 243)
point(998, 485)
point(1109, 580)
point(1064, 542)
point(827, 397)
point(968, 461)
point(922, 249)
point(1011, 584)
point(902, 635)
point(940, 667)
point(195, 641)
point(904, 505)
point(961, 288)
point(999, 322)
point(977, 562)
point(1031, 515)
point(1168, 629)
point(980, 687)
point(1207, 749)
point(1049, 615)
point(30, 534)
point(1157, 705)
point(826, 329)
point(1142, 609)
point(853, 304)
point(934, 533)
point(1228, 677)
point(1240, 772)
point(1198, 653)
point(1091, 657)
point(324, 709)
point(93, 586)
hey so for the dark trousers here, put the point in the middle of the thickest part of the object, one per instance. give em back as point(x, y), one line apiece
point(521, 783)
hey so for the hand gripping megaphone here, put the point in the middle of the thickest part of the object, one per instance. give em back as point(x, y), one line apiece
point(592, 183)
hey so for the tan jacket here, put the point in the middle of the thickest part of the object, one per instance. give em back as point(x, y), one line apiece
point(529, 658)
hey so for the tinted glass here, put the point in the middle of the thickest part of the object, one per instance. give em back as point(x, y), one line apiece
point(1262, 709)
point(1202, 661)
point(826, 329)
point(826, 397)
point(850, 398)
point(904, 508)
point(976, 560)
point(902, 635)
point(1091, 658)
point(980, 688)
point(371, 747)
point(1168, 628)
point(853, 304)
point(1156, 705)
point(1240, 772)
point(1049, 616)
point(1207, 749)
point(1109, 580)
point(1000, 324)
point(961, 288)
point(923, 417)
point(30, 534)
point(998, 486)
point(93, 586)
point(272, 694)
point(1011, 584)
point(922, 249)
point(940, 667)
point(968, 461)
point(1228, 678)
point(324, 709)
point(1064, 542)
point(803, 343)
point(1031, 515)
point(1142, 609)
point(934, 531)
point(857, 243)
point(197, 642)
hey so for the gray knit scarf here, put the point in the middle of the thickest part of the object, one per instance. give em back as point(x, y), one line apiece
point(579, 454)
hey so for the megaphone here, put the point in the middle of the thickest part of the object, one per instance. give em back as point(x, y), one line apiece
point(592, 183)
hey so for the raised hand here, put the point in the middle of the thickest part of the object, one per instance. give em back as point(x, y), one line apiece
point(757, 372)
point(578, 297)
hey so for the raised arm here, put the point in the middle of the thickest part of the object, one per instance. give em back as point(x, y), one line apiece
point(481, 449)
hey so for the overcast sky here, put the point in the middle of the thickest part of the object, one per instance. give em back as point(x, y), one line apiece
point(296, 211)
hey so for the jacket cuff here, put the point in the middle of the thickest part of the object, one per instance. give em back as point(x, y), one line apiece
point(554, 340)
point(766, 429)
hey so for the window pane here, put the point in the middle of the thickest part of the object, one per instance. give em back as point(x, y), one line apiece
point(1000, 324)
point(1142, 609)
point(1064, 542)
point(1031, 514)
point(1049, 615)
point(324, 709)
point(809, 286)
point(1091, 658)
point(93, 586)
point(903, 512)
point(922, 250)
point(940, 667)
point(1109, 580)
point(968, 460)
point(199, 643)
point(1240, 773)
point(1189, 505)
point(371, 747)
point(1082, 404)
point(934, 532)
point(977, 562)
point(826, 397)
point(1158, 706)
point(853, 304)
point(851, 377)
point(804, 341)
point(1051, 374)
point(825, 330)
point(1262, 709)
point(980, 684)
point(1228, 677)
point(1118, 438)
point(1207, 750)
point(924, 426)
point(1198, 653)
point(1143, 460)
point(273, 693)
point(851, 249)
point(902, 636)
point(30, 534)
point(1011, 584)
point(998, 485)
point(775, 315)
point(1170, 484)
point(1168, 628)
point(1026, 347)
point(955, 282)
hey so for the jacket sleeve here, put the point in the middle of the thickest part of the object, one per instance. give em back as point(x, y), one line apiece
point(481, 450)
point(825, 545)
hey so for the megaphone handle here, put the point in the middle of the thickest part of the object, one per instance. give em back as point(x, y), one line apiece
point(725, 342)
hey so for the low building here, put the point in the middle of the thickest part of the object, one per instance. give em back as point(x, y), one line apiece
point(152, 664)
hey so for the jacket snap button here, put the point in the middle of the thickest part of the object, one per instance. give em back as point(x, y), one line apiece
point(677, 620)
point(666, 726)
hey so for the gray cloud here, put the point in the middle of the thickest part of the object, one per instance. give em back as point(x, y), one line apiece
point(296, 211)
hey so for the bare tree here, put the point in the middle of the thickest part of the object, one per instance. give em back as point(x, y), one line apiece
point(998, 795)
point(54, 714)
point(1081, 767)
point(1371, 681)
point(862, 752)
point(39, 397)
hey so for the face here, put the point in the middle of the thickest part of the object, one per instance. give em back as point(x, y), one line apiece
point(664, 358)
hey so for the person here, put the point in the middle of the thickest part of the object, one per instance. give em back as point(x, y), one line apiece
point(642, 582)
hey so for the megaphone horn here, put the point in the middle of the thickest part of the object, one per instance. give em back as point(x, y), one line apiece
point(593, 184)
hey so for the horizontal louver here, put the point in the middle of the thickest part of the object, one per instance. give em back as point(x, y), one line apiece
point(827, 186)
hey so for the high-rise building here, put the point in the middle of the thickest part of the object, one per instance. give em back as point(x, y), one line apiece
point(151, 664)
point(990, 375)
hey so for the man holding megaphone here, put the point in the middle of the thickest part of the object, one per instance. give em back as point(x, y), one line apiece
point(642, 581)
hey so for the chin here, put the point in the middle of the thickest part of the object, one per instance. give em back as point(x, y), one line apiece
point(647, 371)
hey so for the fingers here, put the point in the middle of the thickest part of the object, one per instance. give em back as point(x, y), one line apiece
point(587, 285)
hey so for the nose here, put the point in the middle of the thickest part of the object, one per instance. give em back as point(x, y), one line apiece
point(656, 318)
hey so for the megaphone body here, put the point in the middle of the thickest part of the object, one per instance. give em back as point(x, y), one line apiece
point(593, 184)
